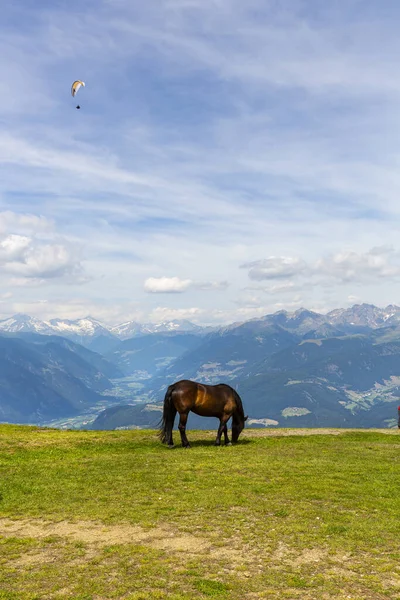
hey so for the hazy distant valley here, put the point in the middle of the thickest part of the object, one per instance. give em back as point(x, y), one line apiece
point(300, 369)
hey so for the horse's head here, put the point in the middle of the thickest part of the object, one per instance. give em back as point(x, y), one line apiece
point(237, 427)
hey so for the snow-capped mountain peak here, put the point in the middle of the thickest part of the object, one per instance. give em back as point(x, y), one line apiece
point(366, 315)
point(86, 326)
point(132, 328)
point(127, 329)
point(178, 325)
point(87, 329)
point(24, 323)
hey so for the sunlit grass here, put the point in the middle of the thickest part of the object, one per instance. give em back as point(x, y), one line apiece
point(312, 516)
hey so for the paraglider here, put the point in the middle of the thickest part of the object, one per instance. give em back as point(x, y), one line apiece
point(75, 87)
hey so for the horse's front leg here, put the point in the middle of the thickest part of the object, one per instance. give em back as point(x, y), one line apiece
point(221, 429)
point(226, 438)
point(182, 430)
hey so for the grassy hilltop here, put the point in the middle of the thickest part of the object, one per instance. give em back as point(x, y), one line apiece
point(94, 515)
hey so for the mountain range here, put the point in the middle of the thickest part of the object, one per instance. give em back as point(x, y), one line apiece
point(291, 369)
point(302, 320)
point(47, 377)
point(89, 327)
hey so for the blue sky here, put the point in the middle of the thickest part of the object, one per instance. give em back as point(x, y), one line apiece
point(230, 158)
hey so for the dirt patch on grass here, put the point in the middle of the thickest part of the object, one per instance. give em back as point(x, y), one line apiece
point(314, 555)
point(92, 533)
point(181, 543)
point(45, 555)
point(219, 558)
point(283, 554)
point(94, 536)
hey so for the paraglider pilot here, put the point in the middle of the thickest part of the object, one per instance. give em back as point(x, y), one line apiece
point(75, 87)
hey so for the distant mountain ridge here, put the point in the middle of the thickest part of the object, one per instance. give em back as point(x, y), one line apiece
point(359, 315)
point(89, 327)
point(302, 320)
point(132, 328)
point(293, 369)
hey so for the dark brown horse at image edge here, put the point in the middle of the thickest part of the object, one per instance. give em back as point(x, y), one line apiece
point(219, 401)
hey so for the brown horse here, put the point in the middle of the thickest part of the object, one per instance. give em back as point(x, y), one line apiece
point(219, 401)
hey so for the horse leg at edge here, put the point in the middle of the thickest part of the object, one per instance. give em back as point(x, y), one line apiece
point(222, 425)
point(182, 430)
point(169, 439)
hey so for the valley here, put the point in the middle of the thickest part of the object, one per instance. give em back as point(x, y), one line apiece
point(300, 369)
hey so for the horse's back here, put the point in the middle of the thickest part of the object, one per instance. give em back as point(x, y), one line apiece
point(203, 399)
point(183, 385)
point(184, 390)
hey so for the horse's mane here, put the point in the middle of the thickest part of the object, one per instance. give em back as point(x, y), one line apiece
point(238, 404)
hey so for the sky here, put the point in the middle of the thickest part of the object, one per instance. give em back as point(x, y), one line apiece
point(230, 159)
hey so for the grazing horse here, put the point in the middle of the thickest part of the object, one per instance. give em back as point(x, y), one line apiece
point(219, 401)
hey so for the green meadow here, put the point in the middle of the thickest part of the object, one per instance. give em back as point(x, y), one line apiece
point(287, 514)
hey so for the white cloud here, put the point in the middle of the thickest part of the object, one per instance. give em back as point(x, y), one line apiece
point(162, 285)
point(345, 266)
point(29, 258)
point(275, 267)
point(13, 248)
point(350, 266)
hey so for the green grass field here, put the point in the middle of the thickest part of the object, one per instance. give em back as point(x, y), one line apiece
point(283, 514)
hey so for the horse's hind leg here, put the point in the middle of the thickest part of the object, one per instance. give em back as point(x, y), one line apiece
point(169, 439)
point(182, 430)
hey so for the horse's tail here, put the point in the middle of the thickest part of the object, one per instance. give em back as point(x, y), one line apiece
point(168, 418)
point(239, 405)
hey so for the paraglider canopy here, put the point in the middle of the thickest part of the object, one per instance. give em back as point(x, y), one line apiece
point(75, 87)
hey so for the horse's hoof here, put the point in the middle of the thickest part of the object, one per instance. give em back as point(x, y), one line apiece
point(170, 446)
point(187, 447)
point(228, 444)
